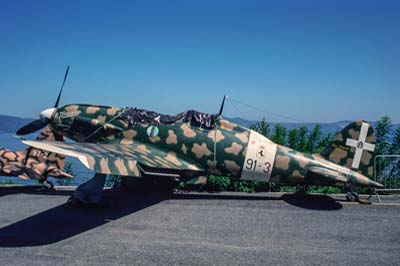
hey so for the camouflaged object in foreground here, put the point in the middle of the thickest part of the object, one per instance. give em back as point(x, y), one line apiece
point(193, 145)
point(34, 163)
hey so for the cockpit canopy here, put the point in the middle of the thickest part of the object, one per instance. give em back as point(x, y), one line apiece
point(134, 116)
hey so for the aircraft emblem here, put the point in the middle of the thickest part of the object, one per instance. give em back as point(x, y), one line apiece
point(260, 152)
point(360, 145)
point(152, 131)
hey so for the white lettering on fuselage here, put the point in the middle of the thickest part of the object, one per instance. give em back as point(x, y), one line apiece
point(69, 114)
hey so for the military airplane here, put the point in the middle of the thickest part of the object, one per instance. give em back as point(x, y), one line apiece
point(34, 163)
point(139, 143)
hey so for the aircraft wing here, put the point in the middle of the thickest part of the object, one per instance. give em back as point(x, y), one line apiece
point(118, 159)
point(330, 176)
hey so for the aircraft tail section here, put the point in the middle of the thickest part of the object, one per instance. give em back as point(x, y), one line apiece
point(353, 148)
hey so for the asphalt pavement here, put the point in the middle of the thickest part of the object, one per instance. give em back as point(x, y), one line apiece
point(133, 228)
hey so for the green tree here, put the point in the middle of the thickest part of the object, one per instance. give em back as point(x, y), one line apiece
point(68, 168)
point(382, 130)
point(395, 150)
point(279, 135)
point(262, 127)
point(293, 138)
point(324, 143)
point(302, 139)
point(395, 147)
point(314, 138)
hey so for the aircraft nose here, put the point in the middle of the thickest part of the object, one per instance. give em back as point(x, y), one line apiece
point(47, 113)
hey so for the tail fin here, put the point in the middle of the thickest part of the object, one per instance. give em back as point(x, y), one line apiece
point(353, 148)
point(47, 163)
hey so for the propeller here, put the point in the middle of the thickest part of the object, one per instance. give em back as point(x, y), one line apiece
point(62, 86)
point(222, 106)
point(33, 126)
point(45, 115)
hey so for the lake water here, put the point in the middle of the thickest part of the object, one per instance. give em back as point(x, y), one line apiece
point(10, 142)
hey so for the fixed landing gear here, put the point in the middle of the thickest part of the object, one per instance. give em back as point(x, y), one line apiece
point(352, 196)
point(373, 192)
point(48, 184)
point(88, 194)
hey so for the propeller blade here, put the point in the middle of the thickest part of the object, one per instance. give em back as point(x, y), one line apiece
point(33, 126)
point(62, 86)
point(222, 106)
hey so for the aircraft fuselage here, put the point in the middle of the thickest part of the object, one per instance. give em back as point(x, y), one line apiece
point(226, 149)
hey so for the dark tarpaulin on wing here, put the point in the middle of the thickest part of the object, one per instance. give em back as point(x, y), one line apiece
point(134, 115)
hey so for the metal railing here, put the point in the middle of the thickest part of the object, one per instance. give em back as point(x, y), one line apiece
point(387, 172)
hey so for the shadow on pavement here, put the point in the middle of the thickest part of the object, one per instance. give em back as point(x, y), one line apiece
point(306, 201)
point(60, 222)
point(312, 202)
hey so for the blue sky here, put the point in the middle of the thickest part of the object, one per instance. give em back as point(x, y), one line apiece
point(308, 60)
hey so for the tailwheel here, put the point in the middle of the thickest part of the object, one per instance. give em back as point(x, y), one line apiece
point(352, 196)
point(48, 184)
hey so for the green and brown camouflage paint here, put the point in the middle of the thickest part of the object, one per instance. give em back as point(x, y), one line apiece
point(34, 163)
point(110, 145)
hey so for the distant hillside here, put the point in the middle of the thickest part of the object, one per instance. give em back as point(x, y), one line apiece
point(10, 124)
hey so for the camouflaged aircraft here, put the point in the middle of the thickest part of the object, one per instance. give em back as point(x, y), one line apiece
point(33, 163)
point(193, 145)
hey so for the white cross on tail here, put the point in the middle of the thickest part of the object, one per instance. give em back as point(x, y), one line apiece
point(360, 145)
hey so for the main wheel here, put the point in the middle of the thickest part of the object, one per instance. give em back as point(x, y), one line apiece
point(48, 184)
point(352, 196)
